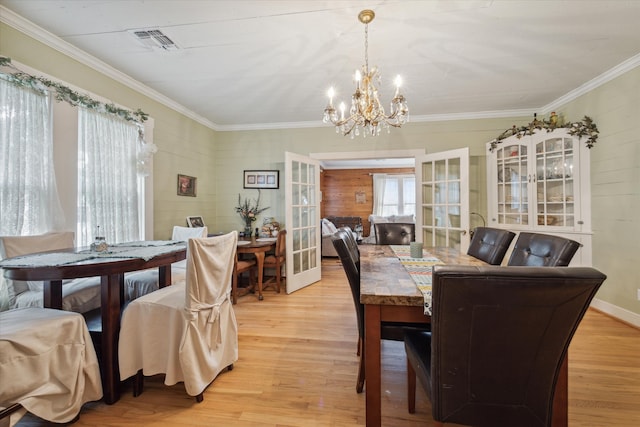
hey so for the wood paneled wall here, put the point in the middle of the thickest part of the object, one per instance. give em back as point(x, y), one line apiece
point(340, 188)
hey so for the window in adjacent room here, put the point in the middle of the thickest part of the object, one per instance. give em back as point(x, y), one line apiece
point(399, 195)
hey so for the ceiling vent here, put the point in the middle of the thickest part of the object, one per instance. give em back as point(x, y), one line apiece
point(154, 39)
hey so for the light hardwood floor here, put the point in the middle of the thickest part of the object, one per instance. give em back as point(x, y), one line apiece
point(298, 366)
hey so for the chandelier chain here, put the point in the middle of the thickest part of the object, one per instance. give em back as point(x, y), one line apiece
point(366, 48)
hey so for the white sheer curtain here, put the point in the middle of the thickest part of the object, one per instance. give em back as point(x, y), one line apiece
point(378, 193)
point(108, 194)
point(28, 195)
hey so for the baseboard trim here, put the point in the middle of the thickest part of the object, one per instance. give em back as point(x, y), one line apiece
point(619, 313)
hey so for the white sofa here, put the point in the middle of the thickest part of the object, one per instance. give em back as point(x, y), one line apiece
point(378, 219)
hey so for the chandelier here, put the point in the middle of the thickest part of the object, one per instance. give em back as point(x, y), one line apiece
point(366, 113)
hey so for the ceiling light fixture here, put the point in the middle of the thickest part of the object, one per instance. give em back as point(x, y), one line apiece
point(366, 112)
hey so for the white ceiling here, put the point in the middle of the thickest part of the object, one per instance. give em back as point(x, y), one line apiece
point(268, 64)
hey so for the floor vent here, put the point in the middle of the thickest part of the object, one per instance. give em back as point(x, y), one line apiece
point(154, 39)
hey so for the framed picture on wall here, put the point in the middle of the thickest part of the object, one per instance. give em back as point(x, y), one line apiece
point(186, 185)
point(261, 179)
point(195, 221)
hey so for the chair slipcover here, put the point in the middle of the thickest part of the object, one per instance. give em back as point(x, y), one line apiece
point(186, 331)
point(143, 282)
point(47, 363)
point(79, 295)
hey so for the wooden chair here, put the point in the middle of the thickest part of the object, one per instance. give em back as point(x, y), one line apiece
point(277, 260)
point(239, 267)
point(490, 244)
point(187, 331)
point(499, 338)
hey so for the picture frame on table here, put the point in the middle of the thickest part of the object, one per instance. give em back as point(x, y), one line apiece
point(262, 179)
point(186, 185)
point(195, 221)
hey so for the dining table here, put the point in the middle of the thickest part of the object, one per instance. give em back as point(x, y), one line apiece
point(393, 292)
point(258, 247)
point(56, 266)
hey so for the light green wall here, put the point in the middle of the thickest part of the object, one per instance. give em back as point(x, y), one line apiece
point(236, 151)
point(217, 159)
point(184, 146)
point(615, 185)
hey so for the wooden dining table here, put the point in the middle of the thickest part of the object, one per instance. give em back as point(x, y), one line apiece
point(258, 247)
point(111, 270)
point(390, 294)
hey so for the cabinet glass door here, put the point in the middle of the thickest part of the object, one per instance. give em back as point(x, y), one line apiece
point(555, 184)
point(513, 184)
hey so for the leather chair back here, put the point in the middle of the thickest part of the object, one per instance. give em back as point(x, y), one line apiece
point(395, 233)
point(499, 338)
point(542, 250)
point(490, 244)
point(345, 244)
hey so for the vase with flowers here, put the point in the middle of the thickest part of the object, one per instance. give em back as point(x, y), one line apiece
point(249, 212)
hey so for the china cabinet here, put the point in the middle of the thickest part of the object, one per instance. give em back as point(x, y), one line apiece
point(540, 183)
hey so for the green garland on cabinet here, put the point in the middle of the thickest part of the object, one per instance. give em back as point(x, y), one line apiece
point(585, 128)
point(63, 93)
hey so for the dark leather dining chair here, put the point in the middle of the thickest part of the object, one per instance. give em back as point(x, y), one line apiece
point(490, 244)
point(542, 250)
point(395, 233)
point(344, 241)
point(499, 337)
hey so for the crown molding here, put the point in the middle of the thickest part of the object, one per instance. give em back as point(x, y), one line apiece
point(592, 84)
point(27, 27)
point(30, 29)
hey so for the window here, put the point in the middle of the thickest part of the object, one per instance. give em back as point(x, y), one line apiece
point(398, 196)
point(108, 190)
point(28, 194)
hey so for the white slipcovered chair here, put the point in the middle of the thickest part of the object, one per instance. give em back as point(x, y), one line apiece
point(48, 365)
point(186, 331)
point(141, 283)
point(79, 295)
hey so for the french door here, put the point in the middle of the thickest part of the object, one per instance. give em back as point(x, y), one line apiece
point(302, 215)
point(442, 197)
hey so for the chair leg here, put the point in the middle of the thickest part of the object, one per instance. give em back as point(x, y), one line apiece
point(234, 289)
point(278, 277)
point(200, 398)
point(138, 383)
point(411, 388)
point(360, 383)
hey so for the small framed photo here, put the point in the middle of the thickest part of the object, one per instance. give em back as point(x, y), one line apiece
point(195, 221)
point(261, 179)
point(186, 185)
